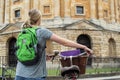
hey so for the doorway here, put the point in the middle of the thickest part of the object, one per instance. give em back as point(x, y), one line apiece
point(85, 40)
point(12, 61)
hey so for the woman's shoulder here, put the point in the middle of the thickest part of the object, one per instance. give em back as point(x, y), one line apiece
point(43, 29)
point(44, 32)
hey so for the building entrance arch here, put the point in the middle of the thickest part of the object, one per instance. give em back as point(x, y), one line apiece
point(12, 61)
point(85, 40)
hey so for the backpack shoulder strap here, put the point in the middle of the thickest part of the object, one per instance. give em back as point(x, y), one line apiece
point(38, 34)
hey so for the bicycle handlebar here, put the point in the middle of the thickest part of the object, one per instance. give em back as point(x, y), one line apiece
point(56, 53)
point(81, 54)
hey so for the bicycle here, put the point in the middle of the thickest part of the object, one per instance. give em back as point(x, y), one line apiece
point(8, 73)
point(71, 68)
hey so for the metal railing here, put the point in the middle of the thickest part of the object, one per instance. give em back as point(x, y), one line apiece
point(105, 65)
point(100, 65)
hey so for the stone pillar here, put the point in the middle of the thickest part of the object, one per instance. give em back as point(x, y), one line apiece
point(57, 8)
point(57, 18)
point(118, 8)
point(35, 4)
point(7, 11)
point(67, 6)
point(112, 8)
point(26, 8)
point(1, 11)
point(31, 4)
point(92, 7)
point(100, 11)
point(39, 5)
point(117, 13)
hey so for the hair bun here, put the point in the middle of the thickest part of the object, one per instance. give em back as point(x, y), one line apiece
point(34, 16)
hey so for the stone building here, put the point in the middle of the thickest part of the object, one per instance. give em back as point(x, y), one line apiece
point(94, 23)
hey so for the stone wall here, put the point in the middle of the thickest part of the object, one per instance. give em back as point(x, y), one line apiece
point(99, 39)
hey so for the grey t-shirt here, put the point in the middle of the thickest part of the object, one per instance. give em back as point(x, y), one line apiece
point(38, 70)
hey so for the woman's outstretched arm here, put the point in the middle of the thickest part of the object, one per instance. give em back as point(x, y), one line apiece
point(69, 43)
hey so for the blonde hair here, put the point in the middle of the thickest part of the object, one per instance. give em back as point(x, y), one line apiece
point(34, 16)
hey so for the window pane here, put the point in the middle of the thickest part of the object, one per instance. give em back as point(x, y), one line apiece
point(46, 9)
point(17, 13)
point(80, 9)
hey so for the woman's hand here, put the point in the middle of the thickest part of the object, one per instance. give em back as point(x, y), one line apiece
point(89, 51)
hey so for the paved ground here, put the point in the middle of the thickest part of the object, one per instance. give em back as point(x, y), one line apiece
point(103, 78)
point(116, 77)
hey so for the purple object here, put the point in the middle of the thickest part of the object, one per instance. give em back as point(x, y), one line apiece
point(70, 53)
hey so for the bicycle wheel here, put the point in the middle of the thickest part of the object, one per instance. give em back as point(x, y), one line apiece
point(10, 73)
point(72, 75)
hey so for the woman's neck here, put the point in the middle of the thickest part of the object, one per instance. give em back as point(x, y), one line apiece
point(35, 25)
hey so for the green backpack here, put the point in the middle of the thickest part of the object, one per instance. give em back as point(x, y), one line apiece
point(26, 47)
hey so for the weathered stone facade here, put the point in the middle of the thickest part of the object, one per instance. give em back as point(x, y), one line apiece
point(97, 26)
point(98, 36)
point(61, 10)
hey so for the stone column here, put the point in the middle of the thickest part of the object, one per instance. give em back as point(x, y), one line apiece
point(31, 4)
point(26, 8)
point(118, 8)
point(1, 11)
point(67, 6)
point(112, 8)
point(92, 11)
point(117, 13)
point(39, 5)
point(7, 11)
point(100, 13)
point(100, 10)
point(57, 18)
point(35, 4)
point(57, 8)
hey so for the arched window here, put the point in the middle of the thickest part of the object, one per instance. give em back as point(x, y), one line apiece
point(85, 40)
point(12, 61)
point(112, 48)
